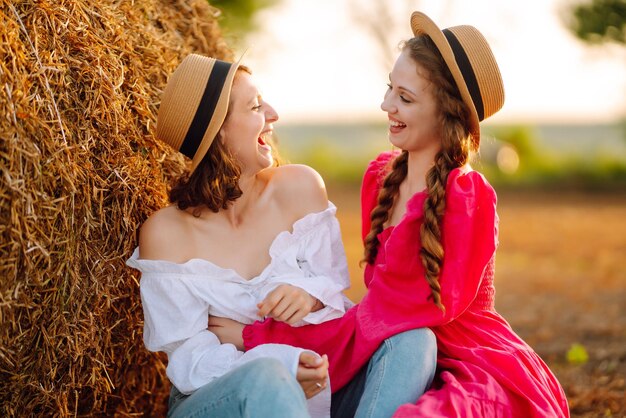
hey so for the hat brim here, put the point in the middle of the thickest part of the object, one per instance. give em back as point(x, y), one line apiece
point(219, 115)
point(423, 25)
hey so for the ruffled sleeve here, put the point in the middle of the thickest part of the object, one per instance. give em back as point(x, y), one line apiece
point(320, 261)
point(399, 293)
point(398, 296)
point(470, 239)
point(176, 321)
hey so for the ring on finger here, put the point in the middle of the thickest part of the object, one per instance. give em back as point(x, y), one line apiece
point(318, 384)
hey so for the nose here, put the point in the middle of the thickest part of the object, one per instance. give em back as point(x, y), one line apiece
point(271, 115)
point(387, 105)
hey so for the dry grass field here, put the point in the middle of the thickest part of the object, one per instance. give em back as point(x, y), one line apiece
point(560, 280)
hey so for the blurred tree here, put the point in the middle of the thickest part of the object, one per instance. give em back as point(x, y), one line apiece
point(237, 18)
point(599, 21)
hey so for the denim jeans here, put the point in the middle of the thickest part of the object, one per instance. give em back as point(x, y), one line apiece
point(261, 388)
point(400, 371)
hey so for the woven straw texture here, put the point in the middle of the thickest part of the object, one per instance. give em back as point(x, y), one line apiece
point(80, 172)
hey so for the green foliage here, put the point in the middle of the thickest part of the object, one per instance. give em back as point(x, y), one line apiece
point(600, 21)
point(341, 157)
point(238, 15)
point(539, 167)
point(521, 137)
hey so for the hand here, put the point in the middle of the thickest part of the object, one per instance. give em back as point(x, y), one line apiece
point(227, 330)
point(312, 373)
point(288, 304)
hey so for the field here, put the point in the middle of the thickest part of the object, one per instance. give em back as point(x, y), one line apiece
point(560, 280)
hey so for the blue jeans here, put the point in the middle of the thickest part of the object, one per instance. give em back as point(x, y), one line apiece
point(260, 388)
point(400, 371)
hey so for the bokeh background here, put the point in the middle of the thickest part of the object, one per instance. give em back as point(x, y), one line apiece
point(556, 153)
point(80, 170)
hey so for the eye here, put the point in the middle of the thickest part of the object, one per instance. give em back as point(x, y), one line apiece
point(256, 108)
point(404, 99)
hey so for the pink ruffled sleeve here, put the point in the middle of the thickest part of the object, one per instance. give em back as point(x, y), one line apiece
point(398, 296)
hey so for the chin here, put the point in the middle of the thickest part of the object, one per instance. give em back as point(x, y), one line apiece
point(267, 162)
point(396, 142)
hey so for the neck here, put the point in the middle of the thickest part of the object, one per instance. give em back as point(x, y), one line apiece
point(237, 211)
point(418, 164)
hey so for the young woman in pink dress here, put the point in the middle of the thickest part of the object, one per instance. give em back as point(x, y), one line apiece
point(430, 234)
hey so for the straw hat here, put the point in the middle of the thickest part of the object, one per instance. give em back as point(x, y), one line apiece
point(472, 64)
point(194, 105)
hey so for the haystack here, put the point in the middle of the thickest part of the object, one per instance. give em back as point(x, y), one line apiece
point(80, 83)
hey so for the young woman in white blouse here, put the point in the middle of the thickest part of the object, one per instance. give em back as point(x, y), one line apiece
point(243, 239)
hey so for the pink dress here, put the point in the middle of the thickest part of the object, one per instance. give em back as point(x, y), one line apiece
point(483, 368)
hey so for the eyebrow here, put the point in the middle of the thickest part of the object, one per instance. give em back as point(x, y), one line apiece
point(404, 88)
point(256, 97)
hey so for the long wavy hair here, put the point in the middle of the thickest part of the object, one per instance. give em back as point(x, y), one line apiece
point(215, 181)
point(455, 150)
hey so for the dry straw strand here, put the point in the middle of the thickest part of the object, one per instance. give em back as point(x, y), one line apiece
point(54, 103)
point(80, 171)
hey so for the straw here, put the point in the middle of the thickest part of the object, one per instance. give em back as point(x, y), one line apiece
point(80, 171)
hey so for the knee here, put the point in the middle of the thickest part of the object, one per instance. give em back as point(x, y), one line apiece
point(420, 336)
point(415, 345)
point(269, 389)
point(264, 370)
point(268, 375)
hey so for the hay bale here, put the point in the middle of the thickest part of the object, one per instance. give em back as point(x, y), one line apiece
point(80, 82)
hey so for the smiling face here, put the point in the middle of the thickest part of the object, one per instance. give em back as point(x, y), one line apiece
point(414, 121)
point(248, 125)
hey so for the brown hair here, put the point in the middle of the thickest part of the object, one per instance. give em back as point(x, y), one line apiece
point(455, 149)
point(215, 182)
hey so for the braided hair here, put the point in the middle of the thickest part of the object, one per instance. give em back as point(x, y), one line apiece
point(455, 150)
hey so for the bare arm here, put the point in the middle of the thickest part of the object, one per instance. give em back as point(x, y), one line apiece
point(228, 331)
point(312, 371)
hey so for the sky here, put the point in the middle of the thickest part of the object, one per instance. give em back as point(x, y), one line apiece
point(315, 61)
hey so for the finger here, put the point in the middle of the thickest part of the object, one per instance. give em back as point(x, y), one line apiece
point(288, 314)
point(261, 312)
point(296, 317)
point(278, 309)
point(321, 362)
point(269, 303)
point(312, 374)
point(281, 311)
point(313, 389)
point(309, 359)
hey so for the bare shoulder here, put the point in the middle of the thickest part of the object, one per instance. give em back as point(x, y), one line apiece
point(300, 188)
point(159, 236)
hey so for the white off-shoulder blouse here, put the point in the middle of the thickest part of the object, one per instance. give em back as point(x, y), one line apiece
point(177, 299)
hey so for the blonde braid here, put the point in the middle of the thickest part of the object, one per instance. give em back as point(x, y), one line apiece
point(455, 148)
point(432, 251)
point(386, 199)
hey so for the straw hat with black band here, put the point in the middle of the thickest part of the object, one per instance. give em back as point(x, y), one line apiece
point(472, 64)
point(194, 105)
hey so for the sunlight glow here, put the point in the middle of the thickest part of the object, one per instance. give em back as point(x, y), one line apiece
point(315, 63)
